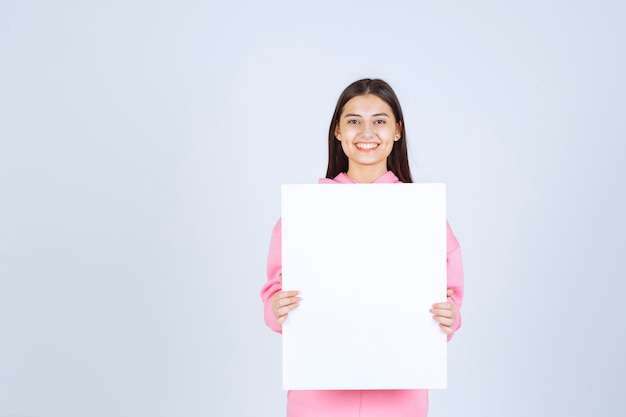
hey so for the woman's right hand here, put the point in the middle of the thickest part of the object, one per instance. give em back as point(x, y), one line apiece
point(283, 302)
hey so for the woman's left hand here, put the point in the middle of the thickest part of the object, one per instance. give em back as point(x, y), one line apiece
point(445, 314)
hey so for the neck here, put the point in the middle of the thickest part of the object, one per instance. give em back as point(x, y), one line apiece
point(366, 175)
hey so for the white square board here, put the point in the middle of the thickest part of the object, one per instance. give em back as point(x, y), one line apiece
point(369, 261)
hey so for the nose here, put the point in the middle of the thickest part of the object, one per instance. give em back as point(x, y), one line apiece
point(367, 132)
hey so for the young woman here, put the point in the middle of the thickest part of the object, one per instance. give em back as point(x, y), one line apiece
point(366, 144)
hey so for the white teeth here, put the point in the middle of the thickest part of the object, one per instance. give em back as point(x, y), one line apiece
point(368, 145)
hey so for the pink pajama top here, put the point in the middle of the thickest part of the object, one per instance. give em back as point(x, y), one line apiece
point(354, 403)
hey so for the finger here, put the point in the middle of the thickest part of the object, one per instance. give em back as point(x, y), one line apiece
point(446, 306)
point(449, 293)
point(443, 306)
point(278, 304)
point(283, 311)
point(282, 294)
point(280, 318)
point(446, 329)
point(446, 322)
point(282, 299)
point(443, 312)
point(280, 277)
point(288, 300)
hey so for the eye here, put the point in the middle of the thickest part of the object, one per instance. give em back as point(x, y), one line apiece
point(353, 121)
point(379, 122)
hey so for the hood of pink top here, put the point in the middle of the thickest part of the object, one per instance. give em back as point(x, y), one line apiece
point(387, 178)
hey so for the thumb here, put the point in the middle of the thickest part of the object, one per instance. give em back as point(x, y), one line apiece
point(449, 293)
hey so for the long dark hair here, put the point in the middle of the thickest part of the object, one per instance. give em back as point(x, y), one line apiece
point(398, 160)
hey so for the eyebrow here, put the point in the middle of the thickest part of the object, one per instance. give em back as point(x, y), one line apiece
point(373, 115)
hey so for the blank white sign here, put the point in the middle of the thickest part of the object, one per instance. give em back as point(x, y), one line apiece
point(369, 261)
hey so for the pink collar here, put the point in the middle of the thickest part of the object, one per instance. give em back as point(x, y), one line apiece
point(387, 178)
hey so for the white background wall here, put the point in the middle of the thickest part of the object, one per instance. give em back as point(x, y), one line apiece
point(142, 148)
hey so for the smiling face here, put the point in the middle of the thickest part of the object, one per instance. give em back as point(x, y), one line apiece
point(367, 130)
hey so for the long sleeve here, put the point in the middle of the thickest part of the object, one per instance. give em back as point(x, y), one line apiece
point(455, 275)
point(273, 284)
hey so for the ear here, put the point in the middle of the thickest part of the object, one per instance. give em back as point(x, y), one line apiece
point(398, 131)
point(337, 132)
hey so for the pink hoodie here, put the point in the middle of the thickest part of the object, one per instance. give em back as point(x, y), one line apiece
point(383, 403)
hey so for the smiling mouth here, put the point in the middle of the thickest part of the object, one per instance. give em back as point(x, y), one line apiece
point(366, 146)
